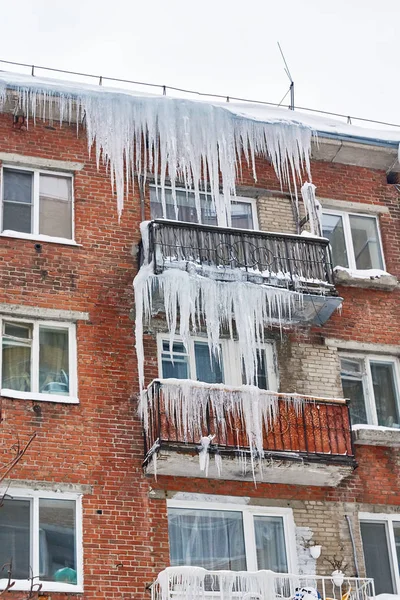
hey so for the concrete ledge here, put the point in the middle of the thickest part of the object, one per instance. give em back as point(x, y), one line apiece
point(21, 160)
point(376, 436)
point(362, 207)
point(363, 346)
point(49, 486)
point(384, 281)
point(35, 312)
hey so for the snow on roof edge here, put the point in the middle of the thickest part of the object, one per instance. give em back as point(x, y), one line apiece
point(321, 126)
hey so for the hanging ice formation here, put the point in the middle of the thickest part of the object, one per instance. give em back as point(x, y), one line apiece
point(187, 403)
point(200, 144)
point(194, 583)
point(312, 208)
point(191, 301)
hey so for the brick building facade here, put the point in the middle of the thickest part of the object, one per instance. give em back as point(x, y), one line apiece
point(110, 526)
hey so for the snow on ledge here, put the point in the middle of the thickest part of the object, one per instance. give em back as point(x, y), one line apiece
point(373, 278)
point(361, 426)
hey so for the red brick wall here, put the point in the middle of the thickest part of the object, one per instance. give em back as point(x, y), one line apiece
point(99, 442)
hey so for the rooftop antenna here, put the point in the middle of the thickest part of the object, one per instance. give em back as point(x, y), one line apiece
point(291, 88)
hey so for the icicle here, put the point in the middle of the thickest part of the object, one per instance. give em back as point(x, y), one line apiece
point(196, 583)
point(204, 457)
point(188, 141)
point(312, 208)
point(186, 403)
point(217, 305)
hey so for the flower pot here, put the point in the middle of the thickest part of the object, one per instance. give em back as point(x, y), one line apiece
point(315, 551)
point(338, 578)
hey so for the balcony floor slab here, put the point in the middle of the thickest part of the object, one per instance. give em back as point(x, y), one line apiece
point(292, 470)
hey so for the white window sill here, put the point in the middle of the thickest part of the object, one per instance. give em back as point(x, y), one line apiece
point(8, 233)
point(367, 278)
point(22, 585)
point(376, 435)
point(6, 393)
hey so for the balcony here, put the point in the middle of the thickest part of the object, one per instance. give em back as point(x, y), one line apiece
point(182, 583)
point(252, 433)
point(292, 262)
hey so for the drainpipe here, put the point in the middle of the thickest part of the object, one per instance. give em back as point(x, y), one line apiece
point(353, 544)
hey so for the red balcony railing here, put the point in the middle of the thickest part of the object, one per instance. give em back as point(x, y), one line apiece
point(302, 427)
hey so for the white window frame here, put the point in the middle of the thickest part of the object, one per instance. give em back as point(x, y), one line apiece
point(48, 586)
point(231, 363)
point(388, 520)
point(244, 199)
point(35, 235)
point(248, 514)
point(72, 398)
point(366, 378)
point(348, 239)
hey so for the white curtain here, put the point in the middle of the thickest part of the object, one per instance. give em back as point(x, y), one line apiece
point(212, 539)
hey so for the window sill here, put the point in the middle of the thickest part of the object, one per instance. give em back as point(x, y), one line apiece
point(6, 393)
point(22, 585)
point(369, 278)
point(38, 238)
point(375, 435)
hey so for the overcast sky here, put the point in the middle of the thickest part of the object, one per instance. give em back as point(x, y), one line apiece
point(343, 54)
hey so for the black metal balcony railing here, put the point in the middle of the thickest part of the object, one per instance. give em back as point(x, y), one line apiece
point(319, 431)
point(290, 261)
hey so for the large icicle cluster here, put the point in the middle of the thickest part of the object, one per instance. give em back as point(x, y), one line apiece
point(196, 143)
point(187, 403)
point(196, 583)
point(192, 302)
point(312, 208)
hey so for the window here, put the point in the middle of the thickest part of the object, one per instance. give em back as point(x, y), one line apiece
point(37, 203)
point(371, 384)
point(354, 239)
point(219, 536)
point(38, 360)
point(198, 365)
point(381, 543)
point(244, 214)
point(40, 532)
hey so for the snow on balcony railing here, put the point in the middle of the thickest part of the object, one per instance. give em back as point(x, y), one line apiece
point(195, 583)
point(286, 261)
point(220, 420)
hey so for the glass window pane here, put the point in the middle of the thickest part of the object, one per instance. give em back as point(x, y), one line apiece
point(351, 366)
point(270, 544)
point(55, 208)
point(242, 215)
point(53, 361)
point(15, 537)
point(208, 368)
point(177, 365)
point(57, 545)
point(212, 539)
point(17, 217)
point(367, 252)
point(376, 555)
point(332, 228)
point(385, 393)
point(353, 390)
point(16, 359)
point(396, 529)
point(261, 380)
point(17, 186)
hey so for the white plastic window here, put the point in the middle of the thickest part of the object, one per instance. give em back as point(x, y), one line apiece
point(198, 365)
point(355, 240)
point(37, 203)
point(372, 385)
point(219, 536)
point(41, 538)
point(38, 360)
point(380, 535)
point(243, 210)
